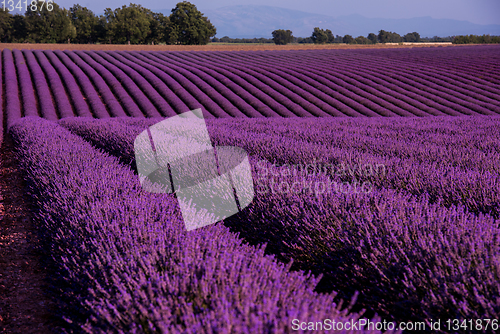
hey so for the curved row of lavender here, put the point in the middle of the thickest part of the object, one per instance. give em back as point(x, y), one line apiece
point(412, 250)
point(253, 84)
point(126, 263)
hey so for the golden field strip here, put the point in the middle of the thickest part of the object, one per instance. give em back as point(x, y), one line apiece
point(210, 47)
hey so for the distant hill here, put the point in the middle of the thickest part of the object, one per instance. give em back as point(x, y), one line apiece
point(248, 21)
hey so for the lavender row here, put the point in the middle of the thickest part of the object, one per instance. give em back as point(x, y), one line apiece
point(96, 106)
point(460, 79)
point(194, 97)
point(433, 93)
point(306, 79)
point(75, 95)
point(12, 102)
point(437, 61)
point(226, 107)
point(174, 106)
point(309, 81)
point(242, 87)
point(45, 99)
point(222, 95)
point(181, 99)
point(332, 74)
point(105, 83)
point(478, 191)
point(56, 86)
point(358, 95)
point(468, 143)
point(450, 60)
point(477, 97)
point(396, 89)
point(148, 100)
point(331, 84)
point(255, 84)
point(236, 102)
point(428, 93)
point(108, 99)
point(389, 99)
point(249, 98)
point(207, 97)
point(426, 84)
point(288, 98)
point(26, 86)
point(378, 242)
point(130, 262)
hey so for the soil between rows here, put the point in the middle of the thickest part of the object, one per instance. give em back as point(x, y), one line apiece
point(25, 306)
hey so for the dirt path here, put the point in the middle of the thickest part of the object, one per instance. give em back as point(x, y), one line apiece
point(24, 306)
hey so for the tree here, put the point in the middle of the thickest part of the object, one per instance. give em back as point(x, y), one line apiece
point(86, 24)
point(306, 40)
point(395, 37)
point(282, 37)
point(127, 24)
point(412, 37)
point(389, 37)
point(19, 33)
point(49, 26)
point(6, 22)
point(362, 40)
point(189, 26)
point(373, 38)
point(319, 36)
point(383, 36)
point(329, 34)
point(348, 39)
point(159, 28)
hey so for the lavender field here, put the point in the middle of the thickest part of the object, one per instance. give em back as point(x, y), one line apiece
point(376, 176)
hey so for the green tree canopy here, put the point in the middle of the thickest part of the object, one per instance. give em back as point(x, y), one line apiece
point(159, 29)
point(412, 37)
point(306, 40)
point(19, 33)
point(476, 39)
point(389, 37)
point(282, 37)
point(127, 24)
point(189, 26)
point(319, 36)
point(48, 26)
point(383, 36)
point(348, 39)
point(329, 35)
point(373, 38)
point(6, 22)
point(86, 24)
point(362, 40)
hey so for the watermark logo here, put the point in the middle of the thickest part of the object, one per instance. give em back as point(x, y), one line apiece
point(176, 156)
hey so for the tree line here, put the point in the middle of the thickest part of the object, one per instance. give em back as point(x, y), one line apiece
point(322, 36)
point(325, 36)
point(476, 39)
point(131, 24)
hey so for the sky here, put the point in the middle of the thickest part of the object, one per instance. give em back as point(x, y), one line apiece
point(475, 11)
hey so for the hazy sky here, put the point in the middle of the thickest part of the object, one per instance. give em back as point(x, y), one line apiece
point(476, 11)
